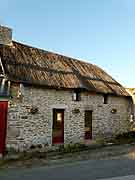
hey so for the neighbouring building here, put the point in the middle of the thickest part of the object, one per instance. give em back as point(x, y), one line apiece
point(48, 99)
point(131, 91)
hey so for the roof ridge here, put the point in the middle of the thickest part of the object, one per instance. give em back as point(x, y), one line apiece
point(55, 53)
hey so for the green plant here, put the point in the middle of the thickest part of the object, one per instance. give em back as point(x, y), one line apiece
point(10, 150)
point(70, 148)
point(127, 137)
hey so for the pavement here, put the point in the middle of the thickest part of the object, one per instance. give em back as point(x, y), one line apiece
point(110, 163)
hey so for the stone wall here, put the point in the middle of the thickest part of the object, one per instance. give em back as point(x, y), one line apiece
point(26, 129)
point(5, 35)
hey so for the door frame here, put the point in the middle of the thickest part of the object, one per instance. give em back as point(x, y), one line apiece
point(5, 127)
point(55, 110)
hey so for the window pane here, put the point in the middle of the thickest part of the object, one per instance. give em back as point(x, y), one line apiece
point(59, 116)
point(74, 96)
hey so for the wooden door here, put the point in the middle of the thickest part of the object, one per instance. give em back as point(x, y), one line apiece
point(58, 126)
point(3, 125)
point(88, 125)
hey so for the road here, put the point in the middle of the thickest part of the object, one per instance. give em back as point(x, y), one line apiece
point(81, 170)
point(109, 163)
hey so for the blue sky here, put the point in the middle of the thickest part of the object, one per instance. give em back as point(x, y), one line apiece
point(98, 31)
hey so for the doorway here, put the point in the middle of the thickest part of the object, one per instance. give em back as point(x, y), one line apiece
point(88, 125)
point(58, 126)
point(3, 125)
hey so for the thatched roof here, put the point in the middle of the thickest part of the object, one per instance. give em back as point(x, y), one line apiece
point(30, 65)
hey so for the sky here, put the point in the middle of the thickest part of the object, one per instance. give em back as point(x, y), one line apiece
point(101, 32)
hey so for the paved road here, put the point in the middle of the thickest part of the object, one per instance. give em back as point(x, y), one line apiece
point(112, 166)
point(82, 170)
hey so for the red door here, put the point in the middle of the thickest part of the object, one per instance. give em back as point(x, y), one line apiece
point(3, 125)
point(58, 126)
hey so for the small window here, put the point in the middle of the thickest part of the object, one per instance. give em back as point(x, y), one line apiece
point(76, 95)
point(105, 99)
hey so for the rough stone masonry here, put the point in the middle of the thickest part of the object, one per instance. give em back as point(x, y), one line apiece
point(5, 35)
point(26, 129)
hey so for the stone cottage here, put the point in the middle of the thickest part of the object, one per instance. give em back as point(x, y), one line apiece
point(47, 98)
